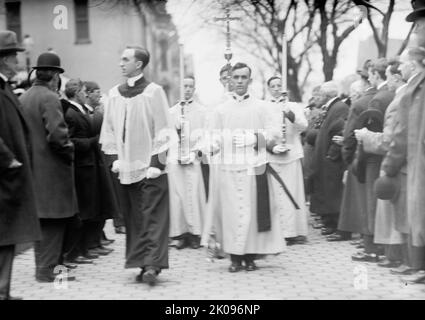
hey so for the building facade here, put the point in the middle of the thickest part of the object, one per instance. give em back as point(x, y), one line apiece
point(89, 36)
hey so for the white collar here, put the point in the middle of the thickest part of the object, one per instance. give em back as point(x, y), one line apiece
point(79, 106)
point(186, 102)
point(412, 77)
point(280, 99)
point(4, 77)
point(239, 98)
point(330, 102)
point(400, 88)
point(381, 85)
point(89, 107)
point(131, 81)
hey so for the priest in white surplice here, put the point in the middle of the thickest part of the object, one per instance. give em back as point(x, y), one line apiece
point(137, 129)
point(287, 164)
point(247, 227)
point(187, 188)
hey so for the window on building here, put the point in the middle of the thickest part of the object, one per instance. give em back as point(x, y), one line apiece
point(13, 17)
point(82, 21)
point(163, 44)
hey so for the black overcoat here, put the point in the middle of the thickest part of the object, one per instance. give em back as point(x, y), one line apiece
point(18, 214)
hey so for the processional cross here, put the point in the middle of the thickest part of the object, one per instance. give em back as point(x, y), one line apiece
point(228, 51)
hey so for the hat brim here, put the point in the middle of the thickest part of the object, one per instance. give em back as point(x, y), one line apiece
point(363, 73)
point(413, 16)
point(13, 49)
point(50, 67)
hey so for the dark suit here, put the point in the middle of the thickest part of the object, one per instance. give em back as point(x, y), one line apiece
point(96, 199)
point(379, 102)
point(353, 207)
point(52, 155)
point(328, 167)
point(18, 215)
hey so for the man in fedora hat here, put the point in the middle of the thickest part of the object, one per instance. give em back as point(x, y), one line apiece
point(53, 156)
point(18, 214)
point(408, 146)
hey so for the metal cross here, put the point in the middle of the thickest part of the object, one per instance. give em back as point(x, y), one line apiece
point(227, 18)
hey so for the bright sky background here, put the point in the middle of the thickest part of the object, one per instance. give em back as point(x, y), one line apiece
point(207, 46)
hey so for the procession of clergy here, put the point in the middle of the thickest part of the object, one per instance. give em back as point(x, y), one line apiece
point(233, 178)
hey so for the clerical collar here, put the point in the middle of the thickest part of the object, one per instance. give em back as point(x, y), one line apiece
point(78, 106)
point(4, 77)
point(239, 98)
point(131, 81)
point(381, 85)
point(280, 99)
point(184, 102)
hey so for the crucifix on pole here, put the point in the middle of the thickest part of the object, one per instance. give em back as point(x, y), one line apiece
point(228, 50)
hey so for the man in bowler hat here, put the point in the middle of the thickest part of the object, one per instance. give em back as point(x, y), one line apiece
point(53, 161)
point(18, 215)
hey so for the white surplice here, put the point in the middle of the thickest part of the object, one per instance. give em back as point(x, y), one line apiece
point(233, 206)
point(294, 222)
point(186, 185)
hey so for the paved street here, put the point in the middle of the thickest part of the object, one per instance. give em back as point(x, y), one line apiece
point(317, 270)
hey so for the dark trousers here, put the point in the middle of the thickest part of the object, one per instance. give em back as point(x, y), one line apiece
point(146, 216)
point(48, 251)
point(416, 256)
point(7, 254)
point(81, 236)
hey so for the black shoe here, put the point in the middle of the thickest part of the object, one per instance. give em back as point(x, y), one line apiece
point(51, 278)
point(181, 244)
point(195, 242)
point(327, 231)
point(250, 266)
point(91, 255)
point(69, 265)
point(100, 251)
point(150, 277)
point(235, 267)
point(106, 242)
point(337, 237)
point(390, 263)
point(366, 257)
point(139, 277)
point(82, 260)
point(120, 230)
point(318, 225)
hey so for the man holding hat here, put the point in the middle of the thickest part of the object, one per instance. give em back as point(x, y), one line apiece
point(53, 160)
point(18, 214)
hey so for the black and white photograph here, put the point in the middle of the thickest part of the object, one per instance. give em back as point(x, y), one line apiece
point(238, 151)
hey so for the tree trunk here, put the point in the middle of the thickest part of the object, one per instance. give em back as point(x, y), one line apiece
point(329, 65)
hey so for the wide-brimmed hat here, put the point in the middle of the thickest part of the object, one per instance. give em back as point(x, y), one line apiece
point(418, 10)
point(373, 119)
point(9, 42)
point(387, 188)
point(49, 60)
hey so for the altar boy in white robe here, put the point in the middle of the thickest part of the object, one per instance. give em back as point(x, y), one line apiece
point(247, 228)
point(287, 163)
point(187, 188)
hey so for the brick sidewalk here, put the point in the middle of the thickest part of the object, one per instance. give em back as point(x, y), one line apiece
point(317, 270)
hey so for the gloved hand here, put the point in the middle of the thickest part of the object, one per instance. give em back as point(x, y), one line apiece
point(279, 149)
point(360, 133)
point(15, 164)
point(153, 173)
point(116, 166)
point(245, 139)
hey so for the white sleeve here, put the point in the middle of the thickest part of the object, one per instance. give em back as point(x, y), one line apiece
point(107, 134)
